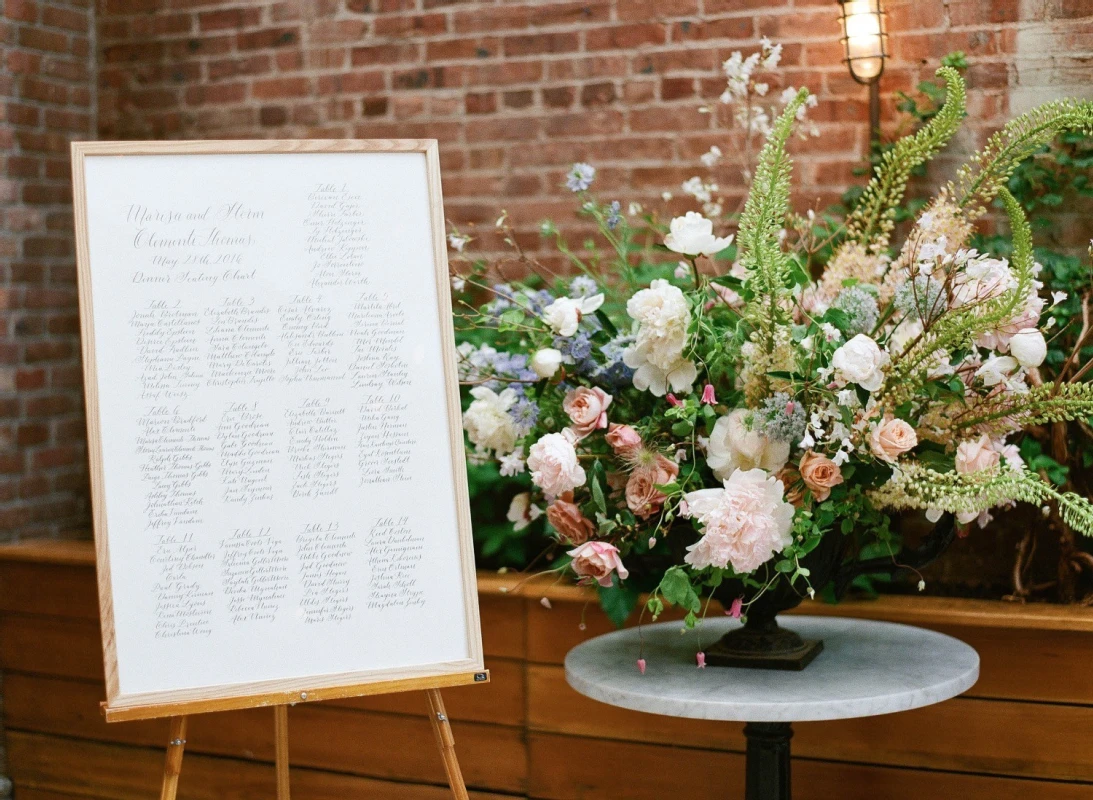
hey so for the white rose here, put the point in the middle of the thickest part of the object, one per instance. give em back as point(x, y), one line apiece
point(554, 465)
point(860, 361)
point(545, 362)
point(487, 420)
point(1028, 347)
point(733, 445)
point(564, 314)
point(997, 369)
point(692, 235)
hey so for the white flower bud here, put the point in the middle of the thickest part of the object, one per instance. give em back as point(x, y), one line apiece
point(1028, 347)
point(545, 362)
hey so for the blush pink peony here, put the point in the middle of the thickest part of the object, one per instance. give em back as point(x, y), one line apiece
point(597, 561)
point(744, 524)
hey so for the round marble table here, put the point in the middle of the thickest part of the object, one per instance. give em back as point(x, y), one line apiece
point(866, 668)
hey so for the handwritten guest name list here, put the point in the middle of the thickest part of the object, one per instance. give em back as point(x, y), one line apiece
point(273, 418)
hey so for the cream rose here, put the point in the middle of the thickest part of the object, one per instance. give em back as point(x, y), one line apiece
point(744, 524)
point(554, 466)
point(546, 362)
point(891, 439)
point(860, 361)
point(692, 235)
point(1028, 347)
point(976, 456)
point(564, 314)
point(568, 520)
point(642, 495)
point(820, 474)
point(596, 561)
point(488, 422)
point(587, 409)
point(997, 369)
point(733, 445)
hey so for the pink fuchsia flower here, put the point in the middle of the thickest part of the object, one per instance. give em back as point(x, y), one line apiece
point(736, 609)
point(672, 400)
point(587, 409)
point(641, 665)
point(622, 438)
point(597, 561)
point(707, 395)
point(700, 657)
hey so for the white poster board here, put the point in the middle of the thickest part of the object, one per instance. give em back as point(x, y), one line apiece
point(277, 467)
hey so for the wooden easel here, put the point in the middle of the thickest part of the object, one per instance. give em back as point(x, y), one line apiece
point(445, 742)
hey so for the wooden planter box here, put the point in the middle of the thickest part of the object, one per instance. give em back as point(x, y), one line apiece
point(1024, 732)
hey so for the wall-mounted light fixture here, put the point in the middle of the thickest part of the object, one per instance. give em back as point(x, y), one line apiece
point(865, 40)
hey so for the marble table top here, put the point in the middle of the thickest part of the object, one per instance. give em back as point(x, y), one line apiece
point(866, 668)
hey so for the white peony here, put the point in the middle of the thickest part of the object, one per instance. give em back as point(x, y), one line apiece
point(733, 446)
point(488, 422)
point(564, 314)
point(545, 362)
point(997, 369)
point(662, 314)
point(744, 524)
point(1028, 347)
point(860, 361)
point(554, 465)
point(692, 235)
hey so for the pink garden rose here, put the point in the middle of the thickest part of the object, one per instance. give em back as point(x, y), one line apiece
point(642, 495)
point(976, 456)
point(622, 438)
point(891, 439)
point(743, 524)
point(554, 465)
point(568, 520)
point(820, 474)
point(587, 409)
point(596, 561)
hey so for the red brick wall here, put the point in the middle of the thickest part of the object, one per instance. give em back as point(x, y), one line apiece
point(47, 92)
point(515, 91)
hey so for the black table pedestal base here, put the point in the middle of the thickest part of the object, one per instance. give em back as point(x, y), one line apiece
point(768, 774)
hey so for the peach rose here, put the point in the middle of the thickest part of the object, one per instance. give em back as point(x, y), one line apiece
point(622, 438)
point(642, 495)
point(587, 409)
point(891, 439)
point(568, 520)
point(976, 456)
point(596, 561)
point(791, 480)
point(820, 474)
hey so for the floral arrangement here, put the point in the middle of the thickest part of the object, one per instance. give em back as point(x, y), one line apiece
point(697, 407)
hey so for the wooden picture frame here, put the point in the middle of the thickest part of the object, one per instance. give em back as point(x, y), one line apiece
point(119, 706)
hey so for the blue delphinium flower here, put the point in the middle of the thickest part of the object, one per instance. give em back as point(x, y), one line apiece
point(614, 371)
point(538, 300)
point(615, 215)
point(575, 348)
point(582, 286)
point(524, 413)
point(580, 177)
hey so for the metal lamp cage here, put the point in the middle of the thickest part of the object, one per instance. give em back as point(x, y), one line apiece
point(865, 38)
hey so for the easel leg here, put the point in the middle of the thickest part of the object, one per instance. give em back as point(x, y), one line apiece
point(446, 743)
point(280, 735)
point(176, 745)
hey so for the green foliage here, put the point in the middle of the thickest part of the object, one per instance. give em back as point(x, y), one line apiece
point(986, 173)
point(618, 601)
point(874, 215)
point(1048, 403)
